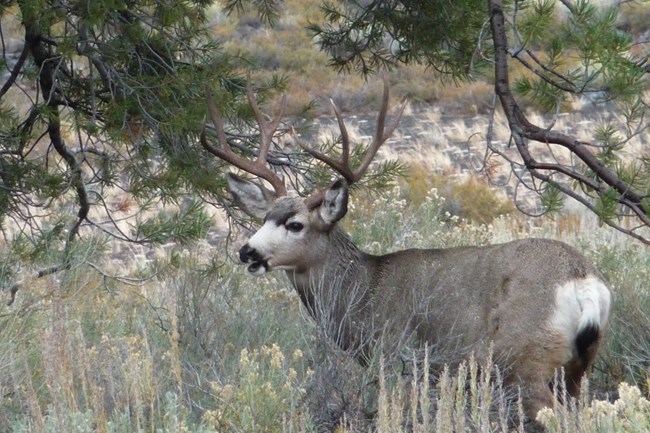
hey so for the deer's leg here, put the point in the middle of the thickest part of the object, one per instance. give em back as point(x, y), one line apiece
point(534, 369)
point(573, 373)
point(534, 393)
point(575, 369)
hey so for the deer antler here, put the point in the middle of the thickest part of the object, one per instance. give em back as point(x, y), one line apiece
point(259, 166)
point(342, 165)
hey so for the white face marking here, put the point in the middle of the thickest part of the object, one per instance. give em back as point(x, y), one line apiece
point(281, 246)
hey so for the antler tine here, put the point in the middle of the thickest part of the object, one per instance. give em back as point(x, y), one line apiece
point(345, 138)
point(267, 129)
point(381, 135)
point(342, 164)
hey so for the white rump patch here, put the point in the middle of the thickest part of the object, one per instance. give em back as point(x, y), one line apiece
point(580, 304)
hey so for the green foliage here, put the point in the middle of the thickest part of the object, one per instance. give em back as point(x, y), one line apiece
point(117, 115)
point(606, 204)
point(267, 10)
point(440, 34)
point(611, 141)
point(545, 95)
point(183, 227)
point(587, 54)
point(534, 25)
point(552, 198)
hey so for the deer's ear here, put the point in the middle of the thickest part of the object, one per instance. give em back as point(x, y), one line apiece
point(335, 203)
point(252, 198)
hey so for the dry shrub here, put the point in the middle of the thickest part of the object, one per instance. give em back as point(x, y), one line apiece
point(568, 224)
point(468, 397)
point(471, 98)
point(415, 83)
point(630, 413)
point(626, 355)
point(264, 395)
point(79, 355)
point(465, 197)
point(633, 18)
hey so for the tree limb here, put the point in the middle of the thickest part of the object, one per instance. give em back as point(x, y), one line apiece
point(15, 71)
point(43, 58)
point(523, 130)
point(13, 289)
point(47, 80)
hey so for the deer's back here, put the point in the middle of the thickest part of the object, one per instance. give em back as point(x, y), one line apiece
point(461, 296)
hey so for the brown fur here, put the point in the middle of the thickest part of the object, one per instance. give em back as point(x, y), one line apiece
point(526, 299)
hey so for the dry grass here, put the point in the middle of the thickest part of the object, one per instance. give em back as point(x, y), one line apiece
point(204, 346)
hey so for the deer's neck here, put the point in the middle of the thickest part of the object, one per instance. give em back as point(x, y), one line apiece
point(336, 289)
point(339, 264)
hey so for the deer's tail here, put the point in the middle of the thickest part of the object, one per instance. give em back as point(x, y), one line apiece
point(594, 300)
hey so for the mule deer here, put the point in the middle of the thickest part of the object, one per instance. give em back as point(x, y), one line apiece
point(539, 304)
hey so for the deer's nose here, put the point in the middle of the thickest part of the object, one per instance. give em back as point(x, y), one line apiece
point(248, 254)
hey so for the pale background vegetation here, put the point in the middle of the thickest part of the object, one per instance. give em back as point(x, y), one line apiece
point(190, 343)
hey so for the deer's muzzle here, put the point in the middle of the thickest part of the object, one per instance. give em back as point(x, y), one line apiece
point(258, 265)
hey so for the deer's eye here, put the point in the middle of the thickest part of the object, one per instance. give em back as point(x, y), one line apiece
point(295, 227)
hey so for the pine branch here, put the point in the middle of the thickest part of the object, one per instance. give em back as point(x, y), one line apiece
point(523, 130)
